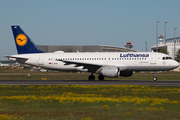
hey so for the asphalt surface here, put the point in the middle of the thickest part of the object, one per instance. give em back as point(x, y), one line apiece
point(86, 82)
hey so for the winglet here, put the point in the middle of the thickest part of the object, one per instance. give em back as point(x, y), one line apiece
point(23, 43)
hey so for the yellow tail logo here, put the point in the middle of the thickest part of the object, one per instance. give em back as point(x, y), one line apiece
point(21, 39)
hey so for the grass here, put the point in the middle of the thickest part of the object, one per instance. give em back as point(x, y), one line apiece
point(22, 74)
point(92, 102)
point(81, 102)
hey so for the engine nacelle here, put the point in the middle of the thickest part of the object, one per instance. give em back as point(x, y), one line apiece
point(126, 73)
point(109, 71)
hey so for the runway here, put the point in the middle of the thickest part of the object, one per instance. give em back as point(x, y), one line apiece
point(86, 82)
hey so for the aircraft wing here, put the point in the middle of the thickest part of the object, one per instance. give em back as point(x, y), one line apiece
point(90, 66)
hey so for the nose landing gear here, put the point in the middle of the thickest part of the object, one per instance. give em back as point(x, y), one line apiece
point(154, 76)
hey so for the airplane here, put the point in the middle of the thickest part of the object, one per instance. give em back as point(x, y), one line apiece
point(112, 64)
point(4, 65)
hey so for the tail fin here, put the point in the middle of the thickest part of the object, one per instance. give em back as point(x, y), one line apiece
point(23, 43)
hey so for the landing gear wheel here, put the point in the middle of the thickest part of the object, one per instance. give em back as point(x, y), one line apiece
point(155, 78)
point(101, 77)
point(91, 78)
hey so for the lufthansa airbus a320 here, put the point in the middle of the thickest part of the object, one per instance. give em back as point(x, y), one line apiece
point(112, 64)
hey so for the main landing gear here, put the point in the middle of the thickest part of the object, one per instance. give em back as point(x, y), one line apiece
point(92, 77)
point(154, 76)
point(101, 77)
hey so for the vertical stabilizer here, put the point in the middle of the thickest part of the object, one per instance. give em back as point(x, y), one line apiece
point(23, 43)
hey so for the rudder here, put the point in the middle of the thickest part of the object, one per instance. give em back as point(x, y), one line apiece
point(23, 43)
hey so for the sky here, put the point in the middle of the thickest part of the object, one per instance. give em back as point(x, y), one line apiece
point(88, 22)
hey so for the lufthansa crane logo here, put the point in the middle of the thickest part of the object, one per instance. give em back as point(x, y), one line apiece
point(21, 39)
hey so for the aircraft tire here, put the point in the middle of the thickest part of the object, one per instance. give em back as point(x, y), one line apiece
point(91, 78)
point(155, 78)
point(101, 77)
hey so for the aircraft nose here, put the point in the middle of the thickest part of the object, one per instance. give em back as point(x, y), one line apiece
point(176, 64)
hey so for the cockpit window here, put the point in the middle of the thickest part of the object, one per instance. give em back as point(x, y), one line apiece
point(167, 58)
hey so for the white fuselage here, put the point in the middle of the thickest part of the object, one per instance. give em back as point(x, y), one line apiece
point(132, 61)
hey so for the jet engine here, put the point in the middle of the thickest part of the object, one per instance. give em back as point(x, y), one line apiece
point(126, 73)
point(109, 71)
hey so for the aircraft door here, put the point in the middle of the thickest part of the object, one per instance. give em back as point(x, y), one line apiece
point(153, 59)
point(40, 60)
